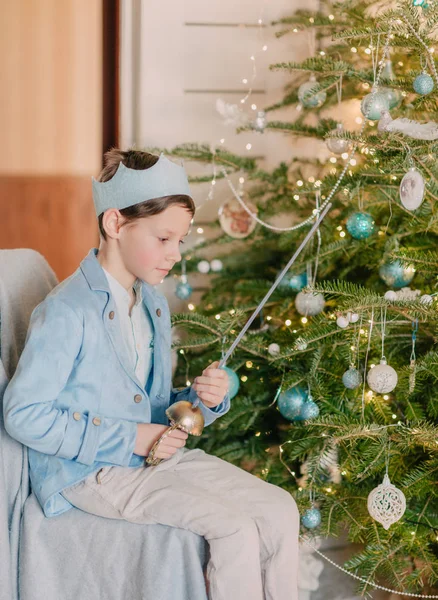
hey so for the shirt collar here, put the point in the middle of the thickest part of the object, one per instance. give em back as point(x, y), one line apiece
point(120, 292)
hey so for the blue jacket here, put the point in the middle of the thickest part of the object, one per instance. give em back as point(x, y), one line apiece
point(74, 399)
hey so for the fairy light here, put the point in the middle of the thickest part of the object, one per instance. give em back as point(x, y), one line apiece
point(188, 382)
point(386, 397)
point(342, 234)
point(296, 197)
point(232, 311)
point(200, 230)
point(244, 378)
point(354, 50)
point(333, 160)
point(344, 155)
point(268, 318)
point(300, 183)
point(304, 320)
point(249, 364)
point(217, 317)
point(288, 322)
point(331, 17)
point(254, 106)
point(353, 162)
point(191, 306)
point(248, 146)
point(181, 351)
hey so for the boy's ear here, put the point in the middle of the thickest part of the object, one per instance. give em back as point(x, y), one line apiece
point(112, 222)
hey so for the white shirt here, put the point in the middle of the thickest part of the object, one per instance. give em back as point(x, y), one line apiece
point(137, 328)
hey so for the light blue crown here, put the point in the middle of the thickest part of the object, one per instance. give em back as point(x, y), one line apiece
point(132, 186)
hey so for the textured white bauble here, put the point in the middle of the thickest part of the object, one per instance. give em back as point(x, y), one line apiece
point(274, 349)
point(382, 378)
point(203, 266)
point(426, 299)
point(216, 265)
point(390, 295)
point(309, 303)
point(342, 322)
point(301, 344)
point(386, 503)
point(353, 317)
point(412, 188)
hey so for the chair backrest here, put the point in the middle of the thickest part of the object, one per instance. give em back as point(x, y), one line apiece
point(25, 280)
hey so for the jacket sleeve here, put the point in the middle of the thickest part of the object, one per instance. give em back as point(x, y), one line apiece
point(53, 344)
point(210, 414)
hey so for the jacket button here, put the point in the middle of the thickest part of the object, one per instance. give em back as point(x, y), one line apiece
point(96, 421)
point(76, 416)
point(111, 315)
point(158, 311)
point(137, 398)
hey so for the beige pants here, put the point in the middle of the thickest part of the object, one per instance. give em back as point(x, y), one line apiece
point(251, 526)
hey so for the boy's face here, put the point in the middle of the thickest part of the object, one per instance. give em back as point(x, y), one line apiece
point(151, 246)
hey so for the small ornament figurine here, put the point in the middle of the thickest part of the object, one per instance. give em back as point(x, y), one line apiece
point(352, 378)
point(234, 219)
point(360, 225)
point(311, 518)
point(259, 123)
point(309, 96)
point(412, 189)
point(338, 145)
point(309, 303)
point(386, 503)
point(373, 105)
point(396, 275)
point(423, 84)
point(382, 378)
point(291, 402)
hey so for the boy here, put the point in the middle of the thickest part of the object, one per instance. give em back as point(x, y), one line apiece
point(94, 380)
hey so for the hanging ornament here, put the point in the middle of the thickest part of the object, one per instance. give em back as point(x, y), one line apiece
point(386, 503)
point(360, 225)
point(395, 274)
point(308, 94)
point(311, 518)
point(291, 402)
point(342, 322)
point(426, 299)
point(373, 104)
point(352, 378)
point(234, 219)
point(412, 189)
point(309, 303)
point(274, 349)
point(393, 96)
point(233, 381)
point(203, 266)
point(390, 295)
point(423, 84)
point(309, 410)
point(413, 359)
point(335, 144)
point(216, 265)
point(301, 344)
point(382, 378)
point(259, 123)
point(183, 290)
point(297, 282)
point(352, 317)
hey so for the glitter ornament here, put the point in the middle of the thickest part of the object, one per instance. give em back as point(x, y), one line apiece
point(352, 378)
point(396, 275)
point(301, 344)
point(311, 518)
point(291, 402)
point(297, 282)
point(423, 84)
point(393, 96)
point(390, 295)
point(352, 317)
point(233, 381)
point(308, 96)
point(260, 121)
point(274, 349)
point(203, 266)
point(338, 145)
point(412, 189)
point(234, 219)
point(309, 410)
point(183, 290)
point(309, 303)
point(382, 378)
point(216, 265)
point(373, 104)
point(360, 225)
point(426, 299)
point(386, 503)
point(342, 322)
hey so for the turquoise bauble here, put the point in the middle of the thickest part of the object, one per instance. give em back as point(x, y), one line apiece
point(311, 518)
point(291, 402)
point(297, 282)
point(395, 275)
point(394, 97)
point(308, 97)
point(233, 381)
point(423, 84)
point(309, 410)
point(373, 104)
point(360, 225)
point(183, 290)
point(352, 378)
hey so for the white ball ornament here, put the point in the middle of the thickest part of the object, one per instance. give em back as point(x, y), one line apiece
point(301, 344)
point(309, 303)
point(390, 295)
point(426, 299)
point(274, 349)
point(352, 317)
point(203, 266)
point(382, 378)
point(216, 265)
point(412, 189)
point(342, 322)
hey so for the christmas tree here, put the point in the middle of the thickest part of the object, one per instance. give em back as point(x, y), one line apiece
point(335, 382)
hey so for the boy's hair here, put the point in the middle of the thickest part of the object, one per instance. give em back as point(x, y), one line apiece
point(136, 159)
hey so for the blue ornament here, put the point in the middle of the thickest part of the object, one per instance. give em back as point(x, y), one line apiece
point(298, 282)
point(423, 84)
point(352, 378)
point(395, 275)
point(183, 290)
point(309, 410)
point(311, 518)
point(373, 105)
point(308, 96)
point(360, 225)
point(393, 96)
point(291, 401)
point(233, 382)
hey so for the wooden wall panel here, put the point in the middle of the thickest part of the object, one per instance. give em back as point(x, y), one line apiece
point(52, 214)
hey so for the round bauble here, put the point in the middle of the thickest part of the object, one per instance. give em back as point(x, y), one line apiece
point(412, 188)
point(423, 84)
point(309, 303)
point(274, 349)
point(311, 518)
point(382, 378)
point(297, 282)
point(309, 410)
point(216, 265)
point(352, 378)
point(308, 96)
point(203, 266)
point(342, 322)
point(291, 402)
point(338, 145)
point(360, 225)
point(183, 290)
point(390, 295)
point(234, 219)
point(373, 104)
point(396, 275)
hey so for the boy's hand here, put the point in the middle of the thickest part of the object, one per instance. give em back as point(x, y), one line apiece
point(149, 433)
point(212, 385)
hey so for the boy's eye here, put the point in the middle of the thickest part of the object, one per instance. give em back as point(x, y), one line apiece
point(182, 242)
point(163, 239)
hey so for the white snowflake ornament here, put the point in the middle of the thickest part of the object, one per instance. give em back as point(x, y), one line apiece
point(386, 503)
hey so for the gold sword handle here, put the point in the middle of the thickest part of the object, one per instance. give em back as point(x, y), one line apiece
point(150, 458)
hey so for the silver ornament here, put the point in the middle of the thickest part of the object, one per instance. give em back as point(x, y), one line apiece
point(386, 503)
point(382, 378)
point(352, 378)
point(301, 344)
point(216, 265)
point(342, 322)
point(373, 105)
point(203, 266)
point(352, 317)
point(390, 295)
point(426, 299)
point(308, 94)
point(338, 145)
point(309, 303)
point(274, 349)
point(412, 189)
